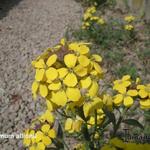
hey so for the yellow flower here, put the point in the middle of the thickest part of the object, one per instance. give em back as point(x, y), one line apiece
point(79, 48)
point(125, 97)
point(47, 116)
point(73, 94)
point(96, 136)
point(73, 125)
point(101, 21)
point(129, 18)
point(87, 16)
point(59, 97)
point(94, 68)
point(145, 103)
point(90, 106)
point(74, 70)
point(91, 9)
point(108, 102)
point(121, 84)
point(87, 24)
point(129, 27)
point(95, 18)
point(46, 135)
point(39, 64)
point(100, 118)
point(42, 88)
point(30, 140)
point(144, 90)
point(51, 60)
point(28, 137)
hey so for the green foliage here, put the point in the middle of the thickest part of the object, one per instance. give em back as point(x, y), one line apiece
point(127, 69)
point(98, 2)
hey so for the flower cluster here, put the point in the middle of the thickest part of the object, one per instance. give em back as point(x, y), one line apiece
point(90, 18)
point(40, 139)
point(128, 91)
point(67, 76)
point(129, 20)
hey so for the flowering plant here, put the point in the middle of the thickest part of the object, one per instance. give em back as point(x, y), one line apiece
point(68, 77)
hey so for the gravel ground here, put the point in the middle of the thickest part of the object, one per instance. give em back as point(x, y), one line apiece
point(25, 30)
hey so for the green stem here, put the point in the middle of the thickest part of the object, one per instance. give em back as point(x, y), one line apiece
point(95, 120)
point(117, 125)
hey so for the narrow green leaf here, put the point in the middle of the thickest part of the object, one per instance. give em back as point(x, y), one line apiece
point(111, 117)
point(133, 122)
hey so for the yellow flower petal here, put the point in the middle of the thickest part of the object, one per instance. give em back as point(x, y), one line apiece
point(85, 83)
point(145, 104)
point(49, 105)
point(59, 98)
point(73, 46)
point(80, 70)
point(45, 128)
point(49, 116)
point(126, 83)
point(54, 86)
point(62, 72)
point(38, 136)
point(86, 109)
point(142, 87)
point(97, 58)
point(26, 140)
point(126, 77)
point(63, 41)
point(46, 140)
point(132, 92)
point(98, 68)
point(143, 93)
point(94, 72)
point(35, 86)
point(118, 99)
point(70, 60)
point(40, 146)
point(83, 49)
point(70, 80)
point(51, 73)
point(43, 90)
point(52, 133)
point(39, 64)
point(77, 125)
point(128, 101)
point(32, 148)
point(51, 60)
point(97, 103)
point(83, 60)
point(68, 124)
point(93, 89)
point(39, 75)
point(73, 94)
point(122, 89)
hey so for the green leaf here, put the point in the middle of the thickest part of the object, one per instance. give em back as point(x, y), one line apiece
point(147, 115)
point(111, 117)
point(133, 122)
point(60, 131)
